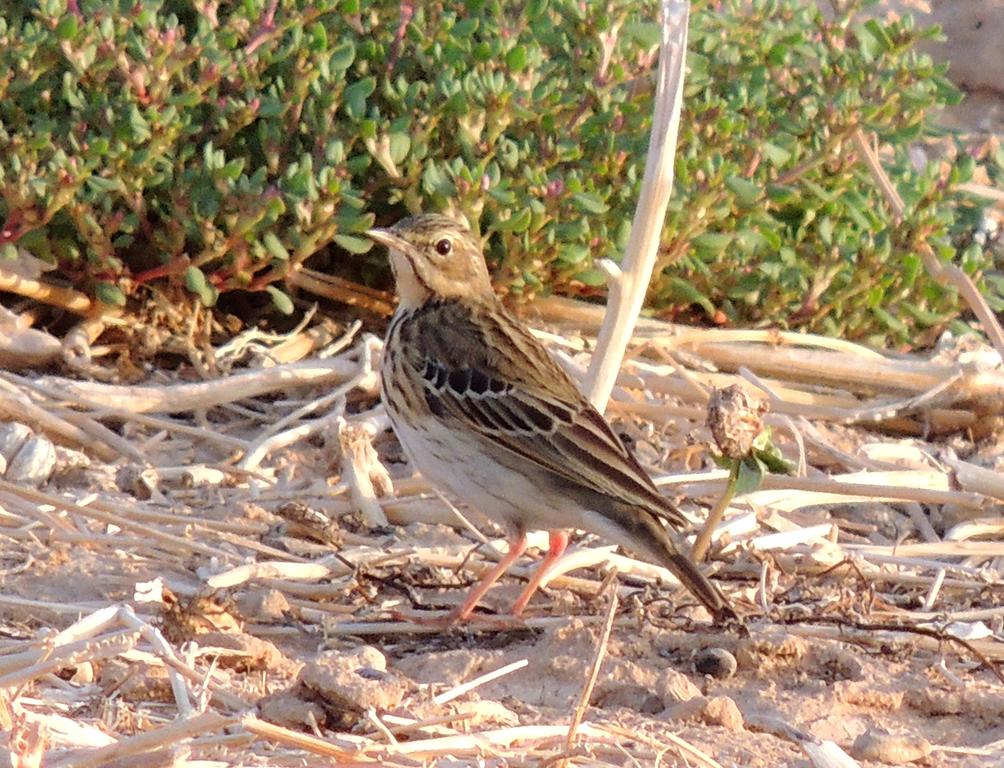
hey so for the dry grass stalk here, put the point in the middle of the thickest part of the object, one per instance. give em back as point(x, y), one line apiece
point(178, 543)
point(16, 405)
point(22, 346)
point(522, 740)
point(257, 452)
point(366, 476)
point(628, 286)
point(76, 347)
point(342, 291)
point(946, 274)
point(870, 636)
point(827, 754)
point(594, 668)
point(311, 744)
point(365, 379)
point(460, 690)
point(150, 741)
point(24, 667)
point(174, 398)
point(786, 492)
point(66, 298)
point(797, 361)
point(401, 625)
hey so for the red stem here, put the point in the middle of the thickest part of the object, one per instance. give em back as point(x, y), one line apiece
point(172, 267)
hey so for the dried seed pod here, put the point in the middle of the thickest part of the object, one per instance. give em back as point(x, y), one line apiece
point(735, 418)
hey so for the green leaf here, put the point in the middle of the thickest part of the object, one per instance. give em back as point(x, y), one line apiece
point(880, 34)
point(781, 193)
point(280, 300)
point(342, 56)
point(111, 294)
point(769, 455)
point(505, 196)
point(594, 278)
point(749, 476)
point(66, 29)
point(353, 244)
point(232, 170)
point(690, 294)
point(573, 253)
point(516, 58)
point(138, 124)
point(99, 184)
point(747, 193)
point(890, 321)
point(195, 280)
point(400, 145)
point(355, 96)
point(826, 230)
point(275, 247)
point(210, 296)
point(646, 33)
point(589, 203)
point(465, 27)
point(318, 40)
point(777, 156)
point(712, 243)
point(517, 222)
point(867, 44)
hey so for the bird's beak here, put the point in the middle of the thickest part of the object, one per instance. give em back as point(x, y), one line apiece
point(387, 238)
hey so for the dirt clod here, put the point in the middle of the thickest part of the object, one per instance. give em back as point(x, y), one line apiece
point(675, 687)
point(890, 749)
point(290, 711)
point(721, 710)
point(355, 680)
point(263, 605)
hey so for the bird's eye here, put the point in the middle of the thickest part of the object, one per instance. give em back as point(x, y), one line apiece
point(443, 247)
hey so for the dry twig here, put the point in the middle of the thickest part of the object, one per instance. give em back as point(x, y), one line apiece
point(628, 286)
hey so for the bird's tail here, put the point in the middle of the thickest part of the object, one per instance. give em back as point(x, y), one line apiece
point(662, 547)
point(699, 584)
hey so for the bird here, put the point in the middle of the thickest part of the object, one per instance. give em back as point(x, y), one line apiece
point(485, 414)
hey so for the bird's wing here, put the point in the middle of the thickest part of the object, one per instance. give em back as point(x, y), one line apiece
point(481, 369)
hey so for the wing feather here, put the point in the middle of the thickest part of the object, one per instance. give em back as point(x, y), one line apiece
point(532, 410)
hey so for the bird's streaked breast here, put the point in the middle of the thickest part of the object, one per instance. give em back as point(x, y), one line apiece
point(401, 387)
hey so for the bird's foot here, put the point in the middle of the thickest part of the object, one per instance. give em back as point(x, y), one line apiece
point(731, 622)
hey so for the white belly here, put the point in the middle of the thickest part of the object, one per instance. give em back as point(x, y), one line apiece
point(472, 476)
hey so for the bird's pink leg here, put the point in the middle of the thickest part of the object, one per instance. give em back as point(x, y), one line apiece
point(557, 541)
point(517, 546)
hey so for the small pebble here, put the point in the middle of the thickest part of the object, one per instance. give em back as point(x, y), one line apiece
point(716, 662)
point(34, 462)
point(13, 435)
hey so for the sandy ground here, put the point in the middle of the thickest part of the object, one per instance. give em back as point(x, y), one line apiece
point(336, 653)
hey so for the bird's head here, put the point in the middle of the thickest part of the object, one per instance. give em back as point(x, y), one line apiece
point(432, 257)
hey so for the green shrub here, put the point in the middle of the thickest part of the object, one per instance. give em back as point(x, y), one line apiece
point(211, 146)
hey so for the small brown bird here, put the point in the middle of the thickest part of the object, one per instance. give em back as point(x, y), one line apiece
point(487, 415)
